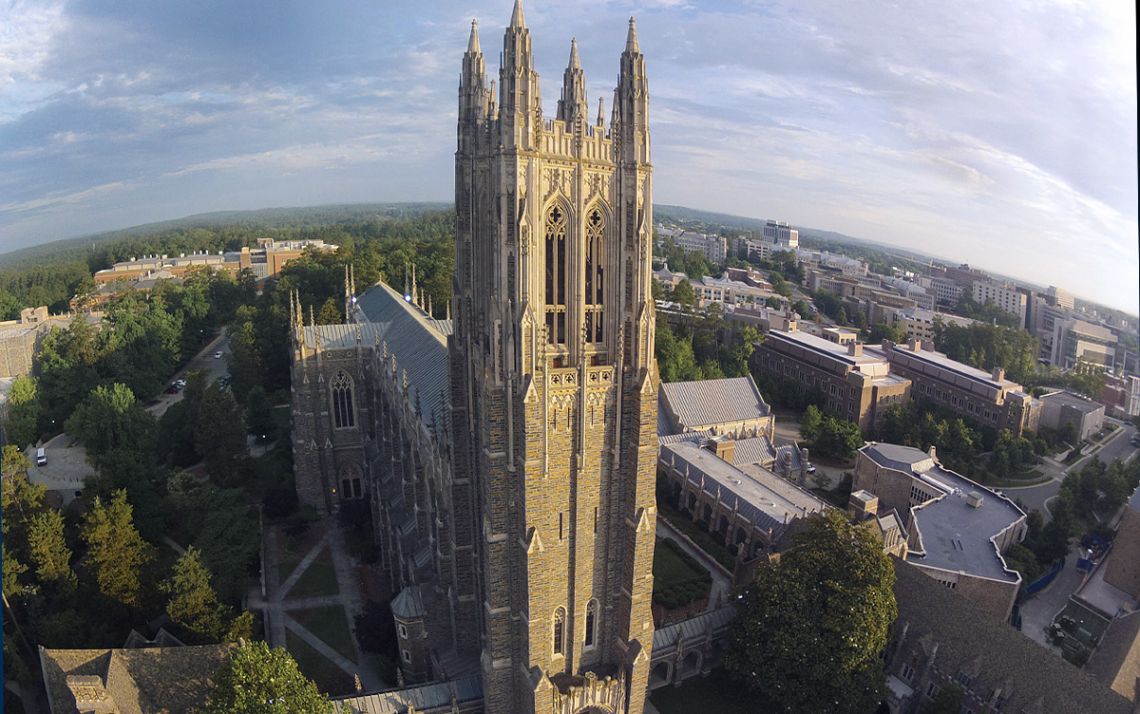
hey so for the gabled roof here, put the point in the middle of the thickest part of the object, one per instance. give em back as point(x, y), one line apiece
point(698, 405)
point(970, 638)
point(154, 679)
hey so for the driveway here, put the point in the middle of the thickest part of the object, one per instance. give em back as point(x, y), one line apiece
point(1038, 612)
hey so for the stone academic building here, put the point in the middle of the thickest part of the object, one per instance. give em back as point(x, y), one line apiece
point(509, 451)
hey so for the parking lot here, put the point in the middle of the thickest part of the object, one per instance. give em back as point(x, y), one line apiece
point(66, 469)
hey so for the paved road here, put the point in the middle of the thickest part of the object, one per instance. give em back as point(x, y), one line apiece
point(204, 361)
point(1117, 446)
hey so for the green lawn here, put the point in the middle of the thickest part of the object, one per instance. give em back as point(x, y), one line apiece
point(678, 579)
point(318, 579)
point(704, 540)
point(329, 624)
point(714, 693)
point(330, 679)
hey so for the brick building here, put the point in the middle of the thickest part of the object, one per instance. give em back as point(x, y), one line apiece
point(987, 397)
point(856, 385)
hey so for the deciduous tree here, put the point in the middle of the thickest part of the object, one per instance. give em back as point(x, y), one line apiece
point(260, 680)
point(811, 626)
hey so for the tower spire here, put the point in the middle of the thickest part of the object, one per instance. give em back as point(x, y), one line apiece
point(517, 15)
point(573, 105)
point(631, 45)
point(473, 41)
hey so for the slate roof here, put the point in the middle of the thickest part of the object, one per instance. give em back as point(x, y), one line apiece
point(1116, 661)
point(430, 698)
point(409, 604)
point(972, 640)
point(693, 627)
point(418, 341)
point(762, 497)
point(172, 680)
point(698, 405)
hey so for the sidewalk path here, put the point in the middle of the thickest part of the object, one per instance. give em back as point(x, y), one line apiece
point(721, 583)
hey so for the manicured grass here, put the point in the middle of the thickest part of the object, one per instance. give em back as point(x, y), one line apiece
point(678, 579)
point(704, 540)
point(329, 624)
point(330, 679)
point(318, 579)
point(714, 693)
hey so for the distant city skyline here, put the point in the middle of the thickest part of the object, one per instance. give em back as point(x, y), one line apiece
point(1003, 135)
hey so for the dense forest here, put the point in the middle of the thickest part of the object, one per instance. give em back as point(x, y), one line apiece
point(53, 273)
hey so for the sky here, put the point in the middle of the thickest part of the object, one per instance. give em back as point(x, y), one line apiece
point(1002, 134)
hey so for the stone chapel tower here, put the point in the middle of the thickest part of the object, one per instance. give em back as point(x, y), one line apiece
point(553, 381)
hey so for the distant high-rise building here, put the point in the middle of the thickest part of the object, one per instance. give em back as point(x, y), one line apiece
point(781, 234)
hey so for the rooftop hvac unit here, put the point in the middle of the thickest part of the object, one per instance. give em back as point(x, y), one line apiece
point(974, 499)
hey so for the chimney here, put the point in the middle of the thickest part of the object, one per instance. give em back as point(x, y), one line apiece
point(933, 452)
point(855, 349)
point(862, 505)
point(974, 499)
point(91, 696)
point(914, 344)
point(723, 447)
point(998, 374)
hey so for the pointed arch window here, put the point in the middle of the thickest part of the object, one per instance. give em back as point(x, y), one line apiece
point(556, 268)
point(595, 274)
point(591, 623)
point(344, 416)
point(559, 631)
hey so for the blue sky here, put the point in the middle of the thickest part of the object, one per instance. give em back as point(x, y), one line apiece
point(999, 133)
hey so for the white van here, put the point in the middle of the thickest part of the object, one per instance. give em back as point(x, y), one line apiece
point(41, 457)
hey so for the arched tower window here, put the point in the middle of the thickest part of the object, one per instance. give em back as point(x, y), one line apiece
point(556, 268)
point(559, 630)
point(591, 622)
point(595, 274)
point(344, 416)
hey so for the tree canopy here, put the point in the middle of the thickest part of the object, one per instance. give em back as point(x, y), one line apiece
point(811, 625)
point(261, 680)
point(117, 551)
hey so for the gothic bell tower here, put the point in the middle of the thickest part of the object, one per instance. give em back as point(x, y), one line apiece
point(553, 382)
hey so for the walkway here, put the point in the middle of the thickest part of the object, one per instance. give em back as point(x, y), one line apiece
point(721, 580)
point(278, 606)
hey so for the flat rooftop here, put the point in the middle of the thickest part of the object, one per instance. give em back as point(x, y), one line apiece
point(1076, 401)
point(955, 535)
point(939, 359)
point(761, 496)
point(868, 363)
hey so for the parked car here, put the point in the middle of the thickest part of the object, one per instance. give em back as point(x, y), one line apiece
point(810, 468)
point(218, 354)
point(172, 389)
point(41, 457)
